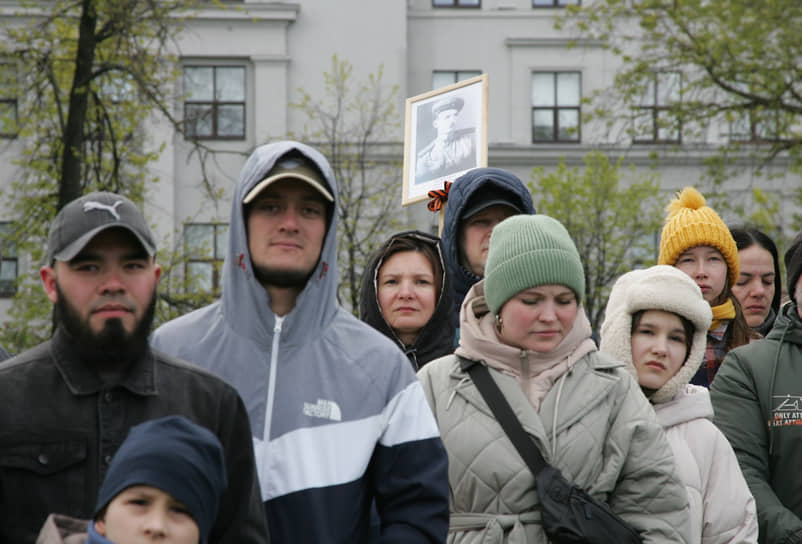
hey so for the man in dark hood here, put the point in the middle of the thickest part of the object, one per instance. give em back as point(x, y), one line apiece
point(477, 202)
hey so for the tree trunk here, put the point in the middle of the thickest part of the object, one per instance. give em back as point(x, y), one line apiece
point(70, 182)
point(353, 281)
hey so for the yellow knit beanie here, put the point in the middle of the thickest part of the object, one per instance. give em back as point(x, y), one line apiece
point(690, 223)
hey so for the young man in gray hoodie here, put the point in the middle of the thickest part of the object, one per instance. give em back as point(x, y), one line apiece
point(338, 417)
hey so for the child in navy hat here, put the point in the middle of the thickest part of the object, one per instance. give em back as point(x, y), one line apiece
point(163, 484)
point(169, 465)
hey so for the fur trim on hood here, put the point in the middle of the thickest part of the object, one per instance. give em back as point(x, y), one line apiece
point(664, 288)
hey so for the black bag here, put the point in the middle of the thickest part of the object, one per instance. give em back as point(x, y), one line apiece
point(569, 515)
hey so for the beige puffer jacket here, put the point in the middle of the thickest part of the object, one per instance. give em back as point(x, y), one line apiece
point(594, 424)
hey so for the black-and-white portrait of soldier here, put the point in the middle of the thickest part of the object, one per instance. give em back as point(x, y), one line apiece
point(446, 140)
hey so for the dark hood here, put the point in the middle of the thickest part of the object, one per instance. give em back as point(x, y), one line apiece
point(787, 326)
point(764, 328)
point(437, 336)
point(461, 191)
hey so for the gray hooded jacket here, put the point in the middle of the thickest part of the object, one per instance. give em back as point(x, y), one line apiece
point(339, 419)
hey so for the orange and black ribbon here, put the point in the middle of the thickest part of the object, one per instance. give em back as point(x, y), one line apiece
point(439, 197)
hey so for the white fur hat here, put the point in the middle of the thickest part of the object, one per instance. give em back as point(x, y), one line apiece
point(664, 288)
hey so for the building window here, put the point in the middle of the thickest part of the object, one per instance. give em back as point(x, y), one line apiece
point(442, 78)
point(205, 246)
point(555, 106)
point(214, 107)
point(456, 3)
point(8, 261)
point(754, 127)
point(654, 121)
point(8, 100)
point(554, 3)
point(110, 119)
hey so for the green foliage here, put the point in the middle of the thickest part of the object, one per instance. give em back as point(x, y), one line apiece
point(88, 75)
point(29, 322)
point(740, 66)
point(179, 292)
point(351, 123)
point(614, 226)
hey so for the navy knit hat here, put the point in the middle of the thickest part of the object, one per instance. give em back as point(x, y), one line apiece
point(174, 455)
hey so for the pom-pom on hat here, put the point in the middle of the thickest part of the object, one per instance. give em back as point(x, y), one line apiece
point(691, 223)
point(530, 250)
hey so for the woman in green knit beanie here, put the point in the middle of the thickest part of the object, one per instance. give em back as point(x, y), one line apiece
point(583, 410)
point(532, 259)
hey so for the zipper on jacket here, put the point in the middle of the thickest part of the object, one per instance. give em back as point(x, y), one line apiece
point(271, 386)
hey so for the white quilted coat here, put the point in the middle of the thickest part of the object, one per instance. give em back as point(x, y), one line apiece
point(722, 508)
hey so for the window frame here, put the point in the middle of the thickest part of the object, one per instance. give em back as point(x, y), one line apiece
point(215, 104)
point(456, 4)
point(215, 260)
point(760, 130)
point(556, 4)
point(11, 100)
point(456, 76)
point(8, 288)
point(556, 109)
point(656, 108)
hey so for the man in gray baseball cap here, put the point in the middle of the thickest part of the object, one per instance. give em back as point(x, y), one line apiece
point(69, 402)
point(84, 218)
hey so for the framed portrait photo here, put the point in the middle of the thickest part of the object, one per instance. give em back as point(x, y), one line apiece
point(445, 136)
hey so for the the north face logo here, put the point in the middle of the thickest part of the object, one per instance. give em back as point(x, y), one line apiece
point(326, 409)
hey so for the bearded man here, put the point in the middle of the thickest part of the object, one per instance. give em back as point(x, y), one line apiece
point(68, 403)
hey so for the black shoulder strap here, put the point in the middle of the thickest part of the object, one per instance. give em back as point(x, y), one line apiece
point(504, 414)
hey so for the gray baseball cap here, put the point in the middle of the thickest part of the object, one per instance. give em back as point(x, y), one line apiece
point(85, 217)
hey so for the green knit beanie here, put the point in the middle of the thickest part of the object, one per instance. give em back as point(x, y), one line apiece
point(530, 250)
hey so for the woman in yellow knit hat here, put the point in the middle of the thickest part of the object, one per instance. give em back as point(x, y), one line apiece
point(697, 241)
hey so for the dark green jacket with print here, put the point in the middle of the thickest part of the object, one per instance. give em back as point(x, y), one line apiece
point(757, 399)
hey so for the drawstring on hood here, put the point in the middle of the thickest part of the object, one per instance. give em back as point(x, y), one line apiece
point(786, 323)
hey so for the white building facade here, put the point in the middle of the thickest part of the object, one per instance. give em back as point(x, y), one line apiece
point(246, 61)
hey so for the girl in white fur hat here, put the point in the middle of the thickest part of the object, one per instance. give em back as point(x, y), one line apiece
point(656, 322)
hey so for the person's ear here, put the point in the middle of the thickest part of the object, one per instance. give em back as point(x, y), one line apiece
point(100, 527)
point(48, 275)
